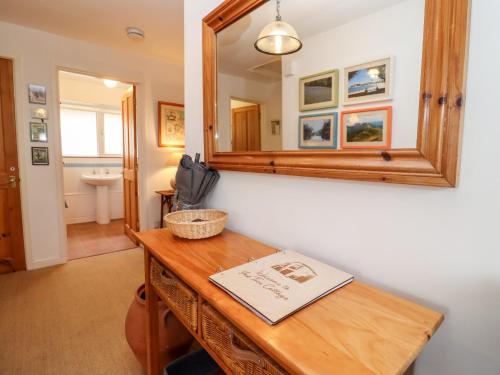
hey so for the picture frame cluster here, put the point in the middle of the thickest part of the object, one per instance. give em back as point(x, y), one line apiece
point(360, 128)
point(37, 94)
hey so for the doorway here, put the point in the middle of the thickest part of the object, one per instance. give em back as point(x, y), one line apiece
point(99, 150)
point(12, 256)
point(245, 125)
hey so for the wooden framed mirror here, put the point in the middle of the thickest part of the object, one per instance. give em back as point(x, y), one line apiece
point(421, 90)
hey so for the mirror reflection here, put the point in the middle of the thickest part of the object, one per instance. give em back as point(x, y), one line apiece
point(353, 84)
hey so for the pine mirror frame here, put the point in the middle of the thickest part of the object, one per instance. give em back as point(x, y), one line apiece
point(435, 160)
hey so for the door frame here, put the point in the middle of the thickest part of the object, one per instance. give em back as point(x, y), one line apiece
point(141, 184)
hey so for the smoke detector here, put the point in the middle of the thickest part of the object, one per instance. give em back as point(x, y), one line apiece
point(135, 33)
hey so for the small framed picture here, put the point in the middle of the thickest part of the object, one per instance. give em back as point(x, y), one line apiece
point(40, 155)
point(39, 113)
point(37, 94)
point(275, 127)
point(319, 91)
point(318, 131)
point(171, 125)
point(368, 82)
point(38, 132)
point(366, 128)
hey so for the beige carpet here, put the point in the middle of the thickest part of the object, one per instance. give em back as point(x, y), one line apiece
point(69, 319)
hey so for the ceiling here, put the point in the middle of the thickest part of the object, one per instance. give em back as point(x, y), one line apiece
point(237, 54)
point(81, 89)
point(104, 22)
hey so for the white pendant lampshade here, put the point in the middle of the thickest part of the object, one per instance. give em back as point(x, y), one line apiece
point(278, 37)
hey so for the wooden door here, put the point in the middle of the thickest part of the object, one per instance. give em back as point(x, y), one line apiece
point(246, 128)
point(130, 165)
point(11, 225)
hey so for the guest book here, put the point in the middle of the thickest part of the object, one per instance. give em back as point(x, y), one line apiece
point(278, 285)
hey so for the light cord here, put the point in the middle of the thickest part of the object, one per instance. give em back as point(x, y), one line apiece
point(278, 15)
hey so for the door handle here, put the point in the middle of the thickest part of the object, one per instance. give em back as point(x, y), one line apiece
point(12, 182)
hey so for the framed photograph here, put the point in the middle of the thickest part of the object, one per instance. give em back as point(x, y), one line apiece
point(40, 155)
point(369, 82)
point(275, 127)
point(318, 131)
point(171, 125)
point(319, 91)
point(39, 113)
point(366, 128)
point(38, 132)
point(37, 94)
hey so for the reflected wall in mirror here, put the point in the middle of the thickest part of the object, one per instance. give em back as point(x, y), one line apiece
point(356, 55)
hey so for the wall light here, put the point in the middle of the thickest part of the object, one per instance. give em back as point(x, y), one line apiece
point(278, 37)
point(135, 33)
point(110, 83)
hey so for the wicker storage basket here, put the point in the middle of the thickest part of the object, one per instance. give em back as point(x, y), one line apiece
point(196, 224)
point(237, 351)
point(178, 296)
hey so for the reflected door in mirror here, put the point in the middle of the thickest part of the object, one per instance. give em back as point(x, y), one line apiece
point(246, 128)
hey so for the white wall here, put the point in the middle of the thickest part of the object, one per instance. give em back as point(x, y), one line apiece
point(267, 94)
point(396, 31)
point(37, 55)
point(439, 247)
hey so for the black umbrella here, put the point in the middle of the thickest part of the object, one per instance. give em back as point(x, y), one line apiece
point(194, 181)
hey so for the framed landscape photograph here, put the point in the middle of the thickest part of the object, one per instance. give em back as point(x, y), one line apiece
point(40, 155)
point(319, 91)
point(37, 94)
point(171, 125)
point(366, 128)
point(38, 132)
point(318, 131)
point(369, 82)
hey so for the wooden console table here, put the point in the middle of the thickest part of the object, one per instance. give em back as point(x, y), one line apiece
point(358, 329)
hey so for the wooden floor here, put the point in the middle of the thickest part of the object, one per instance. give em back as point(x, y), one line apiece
point(89, 239)
point(69, 319)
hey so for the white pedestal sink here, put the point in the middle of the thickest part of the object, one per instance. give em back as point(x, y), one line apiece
point(101, 182)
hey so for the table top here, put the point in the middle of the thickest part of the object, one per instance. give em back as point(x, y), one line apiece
point(358, 329)
point(166, 192)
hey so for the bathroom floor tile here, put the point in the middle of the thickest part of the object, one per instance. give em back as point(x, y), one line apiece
point(89, 239)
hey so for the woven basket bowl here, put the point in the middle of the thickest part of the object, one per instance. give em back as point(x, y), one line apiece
point(182, 225)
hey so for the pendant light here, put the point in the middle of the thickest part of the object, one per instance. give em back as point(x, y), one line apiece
point(278, 37)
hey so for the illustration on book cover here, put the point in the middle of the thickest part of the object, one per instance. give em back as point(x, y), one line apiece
point(297, 271)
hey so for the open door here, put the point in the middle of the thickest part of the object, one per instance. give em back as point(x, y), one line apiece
point(130, 165)
point(246, 128)
point(11, 226)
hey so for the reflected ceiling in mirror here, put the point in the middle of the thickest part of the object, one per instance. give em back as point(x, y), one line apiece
point(354, 84)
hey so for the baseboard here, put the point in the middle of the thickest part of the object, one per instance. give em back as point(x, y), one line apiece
point(85, 219)
point(45, 263)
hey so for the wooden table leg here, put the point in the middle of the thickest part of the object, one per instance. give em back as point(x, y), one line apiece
point(152, 346)
point(170, 203)
point(161, 210)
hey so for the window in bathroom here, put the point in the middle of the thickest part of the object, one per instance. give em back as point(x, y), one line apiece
point(112, 134)
point(91, 132)
point(79, 133)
